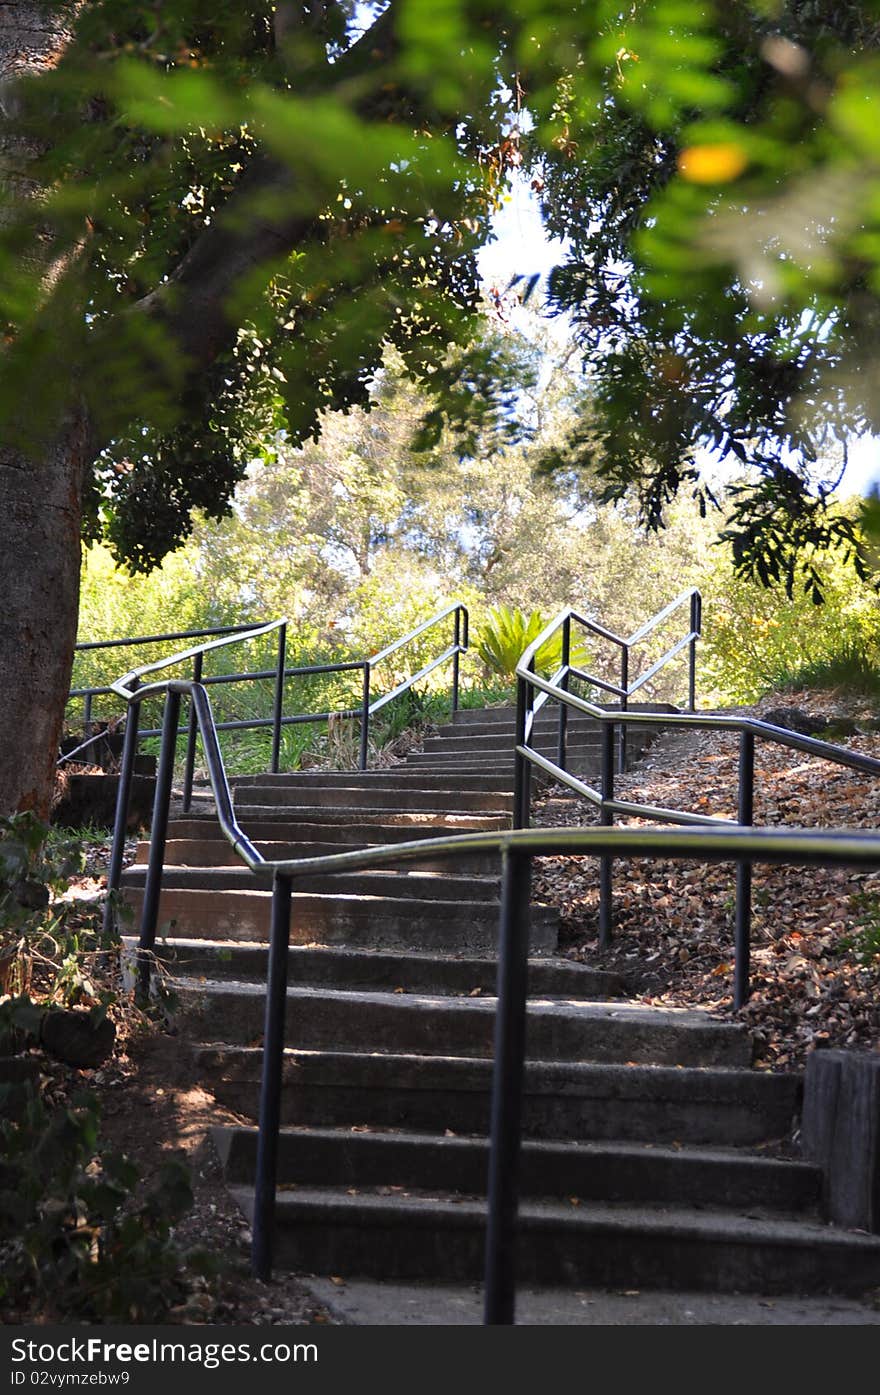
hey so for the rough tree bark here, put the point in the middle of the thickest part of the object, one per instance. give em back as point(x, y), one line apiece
point(40, 519)
point(40, 511)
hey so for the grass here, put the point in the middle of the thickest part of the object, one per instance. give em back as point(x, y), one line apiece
point(333, 745)
point(852, 668)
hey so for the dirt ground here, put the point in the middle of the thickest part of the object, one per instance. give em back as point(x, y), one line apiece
point(150, 1109)
point(815, 931)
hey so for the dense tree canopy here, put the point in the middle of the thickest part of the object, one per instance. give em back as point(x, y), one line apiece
point(722, 272)
point(218, 218)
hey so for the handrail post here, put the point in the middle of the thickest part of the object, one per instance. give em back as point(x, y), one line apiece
point(508, 1076)
point(696, 628)
point(607, 818)
point(455, 658)
point(87, 716)
point(521, 767)
point(270, 1084)
point(120, 820)
point(278, 705)
point(742, 928)
point(563, 710)
point(365, 719)
point(624, 705)
point(158, 835)
point(191, 740)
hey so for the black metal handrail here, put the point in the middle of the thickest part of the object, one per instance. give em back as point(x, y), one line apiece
point(130, 642)
point(364, 711)
point(624, 690)
point(131, 689)
point(221, 637)
point(749, 728)
point(516, 847)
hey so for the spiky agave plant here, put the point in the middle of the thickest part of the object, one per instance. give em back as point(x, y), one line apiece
point(508, 632)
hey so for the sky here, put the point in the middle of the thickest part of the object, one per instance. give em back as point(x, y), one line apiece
point(521, 248)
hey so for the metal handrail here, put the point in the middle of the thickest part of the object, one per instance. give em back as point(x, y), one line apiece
point(516, 848)
point(123, 687)
point(623, 690)
point(749, 728)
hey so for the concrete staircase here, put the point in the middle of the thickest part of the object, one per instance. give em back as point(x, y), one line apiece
point(654, 1155)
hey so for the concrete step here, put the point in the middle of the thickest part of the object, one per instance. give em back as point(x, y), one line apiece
point(570, 1100)
point(391, 777)
point(217, 852)
point(361, 922)
point(492, 763)
point(321, 1019)
point(280, 825)
point(506, 712)
point(546, 728)
point(485, 745)
point(545, 724)
point(374, 795)
point(354, 815)
point(406, 1236)
point(401, 885)
point(372, 969)
point(607, 1172)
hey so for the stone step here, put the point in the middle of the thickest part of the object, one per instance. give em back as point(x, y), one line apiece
point(546, 724)
point(401, 885)
point(506, 712)
point(579, 1101)
point(493, 763)
point(280, 825)
point(372, 969)
point(363, 922)
point(354, 815)
point(607, 1172)
point(321, 1019)
point(485, 745)
point(392, 777)
point(218, 852)
point(610, 1245)
point(579, 730)
point(501, 763)
point(374, 795)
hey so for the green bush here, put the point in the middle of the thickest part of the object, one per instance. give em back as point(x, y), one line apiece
point(507, 633)
point(73, 1240)
point(757, 640)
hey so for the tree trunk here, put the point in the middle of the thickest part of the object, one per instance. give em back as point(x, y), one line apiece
point(40, 500)
point(40, 516)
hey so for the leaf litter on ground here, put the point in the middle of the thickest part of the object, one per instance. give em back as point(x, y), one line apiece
point(815, 964)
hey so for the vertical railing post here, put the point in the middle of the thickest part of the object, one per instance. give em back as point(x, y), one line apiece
point(696, 626)
point(120, 820)
point(455, 659)
point(158, 834)
point(508, 1077)
point(563, 710)
point(743, 924)
point(87, 716)
point(365, 720)
point(522, 769)
point(270, 1085)
point(191, 735)
point(607, 818)
point(624, 704)
point(278, 703)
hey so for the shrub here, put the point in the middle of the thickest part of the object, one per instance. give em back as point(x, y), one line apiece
point(72, 1239)
point(508, 632)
